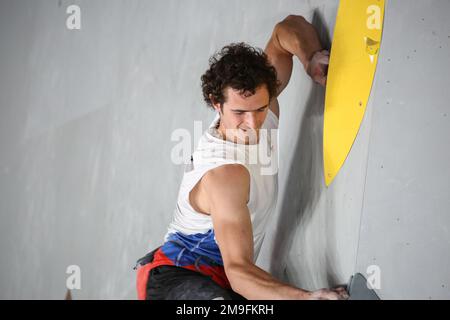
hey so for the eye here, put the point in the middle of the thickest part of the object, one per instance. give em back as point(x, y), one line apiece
point(238, 112)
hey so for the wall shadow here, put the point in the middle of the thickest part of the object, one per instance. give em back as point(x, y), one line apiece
point(305, 181)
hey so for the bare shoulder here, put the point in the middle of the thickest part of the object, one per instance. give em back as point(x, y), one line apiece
point(230, 181)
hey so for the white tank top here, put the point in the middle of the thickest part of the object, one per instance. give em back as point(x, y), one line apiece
point(211, 152)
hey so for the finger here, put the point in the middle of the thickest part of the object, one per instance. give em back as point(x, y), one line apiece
point(323, 60)
point(333, 296)
point(343, 293)
point(322, 81)
point(341, 290)
point(345, 296)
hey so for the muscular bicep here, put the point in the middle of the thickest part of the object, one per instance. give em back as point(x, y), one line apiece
point(282, 62)
point(280, 59)
point(228, 191)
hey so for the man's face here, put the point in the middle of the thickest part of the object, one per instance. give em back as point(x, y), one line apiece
point(243, 115)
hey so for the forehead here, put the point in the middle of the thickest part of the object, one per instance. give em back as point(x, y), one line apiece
point(234, 97)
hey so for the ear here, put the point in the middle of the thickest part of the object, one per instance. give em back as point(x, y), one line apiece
point(215, 105)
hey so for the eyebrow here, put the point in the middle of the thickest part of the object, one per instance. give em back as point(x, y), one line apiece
point(238, 110)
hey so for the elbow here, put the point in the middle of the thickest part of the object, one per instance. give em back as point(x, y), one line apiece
point(295, 17)
point(235, 274)
point(291, 22)
point(234, 283)
point(292, 18)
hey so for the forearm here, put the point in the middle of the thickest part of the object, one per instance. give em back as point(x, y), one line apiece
point(254, 283)
point(298, 37)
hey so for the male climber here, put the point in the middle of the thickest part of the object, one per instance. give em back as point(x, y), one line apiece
point(224, 201)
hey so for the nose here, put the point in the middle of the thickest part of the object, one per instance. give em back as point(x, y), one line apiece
point(251, 120)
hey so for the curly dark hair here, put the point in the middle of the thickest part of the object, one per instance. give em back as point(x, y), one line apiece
point(241, 67)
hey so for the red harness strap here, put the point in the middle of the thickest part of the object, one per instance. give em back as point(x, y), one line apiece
point(217, 273)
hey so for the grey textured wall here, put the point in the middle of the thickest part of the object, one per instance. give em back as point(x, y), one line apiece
point(86, 118)
point(406, 209)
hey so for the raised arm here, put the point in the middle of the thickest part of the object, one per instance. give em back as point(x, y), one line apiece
point(294, 36)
